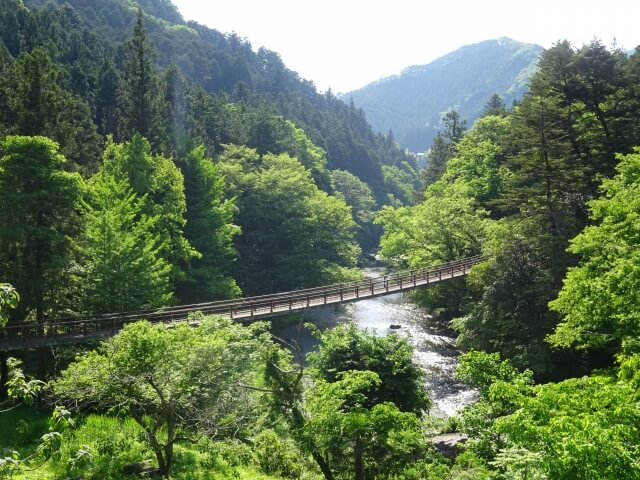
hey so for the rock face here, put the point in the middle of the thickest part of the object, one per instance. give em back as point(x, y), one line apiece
point(449, 444)
point(411, 104)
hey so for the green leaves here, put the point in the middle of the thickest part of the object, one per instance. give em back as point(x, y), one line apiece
point(598, 300)
point(173, 382)
point(293, 234)
point(38, 218)
point(9, 299)
point(398, 380)
point(121, 267)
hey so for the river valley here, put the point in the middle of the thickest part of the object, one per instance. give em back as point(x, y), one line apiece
point(433, 342)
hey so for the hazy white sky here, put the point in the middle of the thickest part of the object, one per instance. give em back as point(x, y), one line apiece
point(346, 44)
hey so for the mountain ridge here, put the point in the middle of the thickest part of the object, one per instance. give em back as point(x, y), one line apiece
point(411, 103)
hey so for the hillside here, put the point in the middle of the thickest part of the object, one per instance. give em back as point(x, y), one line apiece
point(225, 65)
point(411, 104)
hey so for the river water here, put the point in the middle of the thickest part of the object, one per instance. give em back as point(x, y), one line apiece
point(434, 344)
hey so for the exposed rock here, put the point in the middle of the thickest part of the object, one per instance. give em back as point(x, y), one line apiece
point(449, 444)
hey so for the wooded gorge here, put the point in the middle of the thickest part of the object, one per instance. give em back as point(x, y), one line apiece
point(146, 161)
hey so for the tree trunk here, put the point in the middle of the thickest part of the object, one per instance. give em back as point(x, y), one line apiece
point(160, 454)
point(358, 462)
point(324, 466)
point(4, 375)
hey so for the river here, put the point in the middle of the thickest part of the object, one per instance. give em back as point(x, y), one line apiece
point(434, 344)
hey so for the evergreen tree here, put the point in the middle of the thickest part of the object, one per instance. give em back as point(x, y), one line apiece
point(494, 106)
point(107, 99)
point(438, 156)
point(39, 105)
point(210, 230)
point(139, 95)
point(174, 111)
point(120, 252)
point(38, 219)
point(443, 147)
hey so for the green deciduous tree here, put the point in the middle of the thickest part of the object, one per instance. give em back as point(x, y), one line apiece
point(342, 412)
point(120, 264)
point(176, 383)
point(160, 181)
point(400, 381)
point(293, 234)
point(598, 301)
point(359, 197)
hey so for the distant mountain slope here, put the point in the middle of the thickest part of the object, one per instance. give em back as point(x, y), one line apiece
point(411, 104)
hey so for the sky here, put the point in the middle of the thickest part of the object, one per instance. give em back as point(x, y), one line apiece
point(347, 44)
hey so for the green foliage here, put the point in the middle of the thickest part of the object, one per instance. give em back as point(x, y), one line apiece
point(598, 300)
point(139, 94)
point(494, 106)
point(480, 370)
point(121, 268)
point(9, 299)
point(359, 197)
point(341, 410)
point(578, 428)
point(356, 194)
point(173, 382)
point(38, 217)
point(293, 234)
point(371, 442)
point(38, 104)
point(347, 348)
point(160, 182)
point(275, 456)
point(210, 230)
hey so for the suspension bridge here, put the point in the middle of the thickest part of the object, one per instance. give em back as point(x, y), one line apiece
point(76, 330)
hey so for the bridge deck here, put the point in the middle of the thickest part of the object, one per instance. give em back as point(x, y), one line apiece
point(86, 329)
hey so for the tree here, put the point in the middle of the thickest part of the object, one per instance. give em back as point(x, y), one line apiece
point(443, 147)
point(341, 411)
point(359, 197)
point(121, 267)
point(39, 105)
point(107, 99)
point(578, 428)
point(160, 181)
point(293, 234)
point(38, 219)
point(597, 301)
point(494, 106)
point(9, 299)
point(210, 230)
point(400, 381)
point(139, 95)
point(177, 384)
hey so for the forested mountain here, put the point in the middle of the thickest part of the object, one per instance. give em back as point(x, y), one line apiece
point(85, 37)
point(146, 162)
point(411, 104)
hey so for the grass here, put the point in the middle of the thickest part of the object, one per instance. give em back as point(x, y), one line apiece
point(21, 428)
point(101, 445)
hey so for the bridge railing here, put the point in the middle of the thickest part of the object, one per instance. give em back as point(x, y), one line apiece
point(244, 308)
